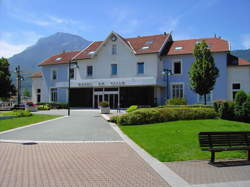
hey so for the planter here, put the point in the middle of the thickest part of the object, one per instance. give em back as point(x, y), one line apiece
point(105, 110)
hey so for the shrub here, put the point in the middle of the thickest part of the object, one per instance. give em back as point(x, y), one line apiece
point(43, 107)
point(132, 108)
point(226, 110)
point(240, 98)
point(55, 105)
point(217, 105)
point(155, 115)
point(104, 104)
point(113, 119)
point(176, 101)
point(22, 113)
point(246, 108)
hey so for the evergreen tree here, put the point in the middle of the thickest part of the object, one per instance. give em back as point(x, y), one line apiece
point(6, 87)
point(203, 72)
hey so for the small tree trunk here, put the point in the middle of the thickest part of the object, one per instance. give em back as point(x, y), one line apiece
point(205, 99)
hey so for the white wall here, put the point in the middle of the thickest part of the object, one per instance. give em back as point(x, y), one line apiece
point(36, 84)
point(238, 74)
point(125, 59)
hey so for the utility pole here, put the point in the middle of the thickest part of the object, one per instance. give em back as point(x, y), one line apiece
point(19, 78)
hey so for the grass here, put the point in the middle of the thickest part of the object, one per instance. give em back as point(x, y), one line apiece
point(7, 114)
point(178, 140)
point(7, 124)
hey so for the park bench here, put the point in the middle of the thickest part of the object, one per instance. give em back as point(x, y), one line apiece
point(224, 141)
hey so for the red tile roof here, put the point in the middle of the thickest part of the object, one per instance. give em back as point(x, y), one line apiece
point(135, 44)
point(36, 75)
point(61, 58)
point(215, 44)
point(243, 62)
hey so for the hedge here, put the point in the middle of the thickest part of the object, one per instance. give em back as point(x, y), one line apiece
point(55, 105)
point(156, 115)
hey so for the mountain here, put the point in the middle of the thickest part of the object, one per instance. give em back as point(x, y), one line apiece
point(245, 54)
point(46, 47)
point(42, 49)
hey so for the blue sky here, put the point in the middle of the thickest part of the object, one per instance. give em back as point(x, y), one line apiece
point(24, 21)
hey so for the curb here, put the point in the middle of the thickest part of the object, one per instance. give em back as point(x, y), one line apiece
point(165, 172)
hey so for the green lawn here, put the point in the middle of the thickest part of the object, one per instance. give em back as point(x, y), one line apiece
point(7, 124)
point(178, 140)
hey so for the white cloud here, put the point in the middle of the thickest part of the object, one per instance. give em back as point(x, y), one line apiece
point(246, 41)
point(8, 50)
point(12, 43)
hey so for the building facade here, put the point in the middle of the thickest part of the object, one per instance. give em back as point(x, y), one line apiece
point(128, 71)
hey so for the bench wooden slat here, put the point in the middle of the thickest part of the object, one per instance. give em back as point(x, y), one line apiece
point(224, 141)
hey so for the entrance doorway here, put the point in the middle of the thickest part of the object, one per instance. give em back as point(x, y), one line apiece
point(111, 95)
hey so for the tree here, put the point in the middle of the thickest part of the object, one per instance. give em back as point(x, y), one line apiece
point(203, 72)
point(26, 92)
point(6, 87)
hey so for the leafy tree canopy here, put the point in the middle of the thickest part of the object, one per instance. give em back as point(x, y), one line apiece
point(6, 87)
point(203, 72)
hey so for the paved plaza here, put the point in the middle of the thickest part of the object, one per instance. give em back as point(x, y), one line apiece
point(85, 150)
point(80, 126)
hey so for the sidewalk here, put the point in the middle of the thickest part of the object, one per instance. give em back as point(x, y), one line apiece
point(78, 164)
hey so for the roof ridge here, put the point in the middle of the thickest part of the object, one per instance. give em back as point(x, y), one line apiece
point(199, 39)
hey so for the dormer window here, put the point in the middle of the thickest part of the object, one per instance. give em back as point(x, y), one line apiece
point(198, 41)
point(178, 48)
point(58, 58)
point(91, 52)
point(149, 42)
point(145, 47)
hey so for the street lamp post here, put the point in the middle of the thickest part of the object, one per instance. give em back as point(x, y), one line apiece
point(167, 73)
point(69, 77)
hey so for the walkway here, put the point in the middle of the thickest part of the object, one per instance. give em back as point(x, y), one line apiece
point(106, 161)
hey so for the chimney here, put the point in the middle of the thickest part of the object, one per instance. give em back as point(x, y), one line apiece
point(165, 33)
point(215, 36)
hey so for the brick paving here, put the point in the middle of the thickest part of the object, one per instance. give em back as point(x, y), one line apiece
point(200, 172)
point(76, 164)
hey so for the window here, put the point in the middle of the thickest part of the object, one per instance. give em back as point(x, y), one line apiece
point(208, 98)
point(113, 69)
point(140, 68)
point(145, 47)
point(178, 48)
point(235, 88)
point(114, 49)
point(58, 58)
point(177, 90)
point(89, 71)
point(54, 75)
point(177, 67)
point(72, 73)
point(53, 96)
point(91, 52)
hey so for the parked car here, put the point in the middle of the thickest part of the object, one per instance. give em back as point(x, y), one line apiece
point(18, 107)
point(29, 106)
